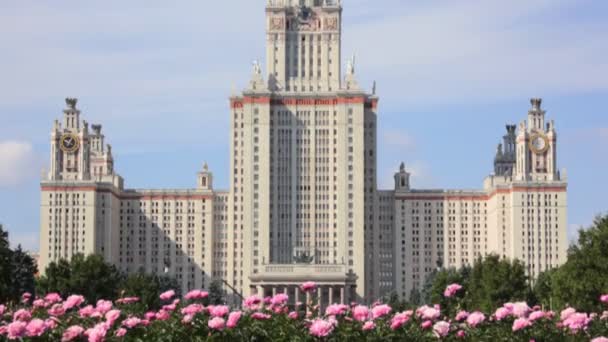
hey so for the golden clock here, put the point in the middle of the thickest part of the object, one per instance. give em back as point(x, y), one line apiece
point(539, 143)
point(69, 143)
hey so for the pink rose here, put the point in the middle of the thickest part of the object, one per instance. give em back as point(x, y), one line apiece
point(336, 310)
point(218, 311)
point(2, 310)
point(461, 316)
point(461, 334)
point(441, 329)
point(121, 332)
point(426, 324)
point(428, 313)
point(56, 310)
point(260, 316)
point(360, 313)
point(520, 309)
point(192, 309)
point(451, 290)
point(97, 333)
point(600, 339)
point(253, 303)
point(35, 328)
point(196, 294)
point(536, 315)
point(112, 316)
point(72, 302)
point(502, 313)
point(131, 322)
point(309, 286)
point(167, 295)
point(566, 313)
point(321, 328)
point(217, 323)
point(162, 315)
point(400, 319)
point(475, 319)
point(72, 333)
point(22, 315)
point(53, 298)
point(381, 311)
point(103, 306)
point(87, 311)
point(604, 299)
point(293, 315)
point(127, 300)
point(233, 319)
point(521, 323)
point(16, 329)
point(369, 325)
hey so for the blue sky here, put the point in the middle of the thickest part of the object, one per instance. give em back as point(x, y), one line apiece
point(158, 75)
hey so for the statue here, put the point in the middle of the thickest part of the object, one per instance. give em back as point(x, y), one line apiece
point(374, 88)
point(350, 66)
point(71, 102)
point(402, 167)
point(205, 167)
point(257, 70)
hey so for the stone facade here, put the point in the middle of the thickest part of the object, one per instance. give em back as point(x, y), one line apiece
point(303, 202)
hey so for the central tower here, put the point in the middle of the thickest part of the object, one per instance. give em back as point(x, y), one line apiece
point(303, 157)
point(303, 45)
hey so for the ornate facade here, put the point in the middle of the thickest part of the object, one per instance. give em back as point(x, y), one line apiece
point(303, 202)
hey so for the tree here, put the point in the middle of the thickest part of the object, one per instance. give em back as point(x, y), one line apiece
point(436, 284)
point(88, 276)
point(493, 282)
point(23, 270)
point(5, 266)
point(415, 297)
point(542, 290)
point(147, 287)
point(582, 279)
point(216, 293)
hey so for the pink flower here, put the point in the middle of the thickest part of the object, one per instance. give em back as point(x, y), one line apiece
point(502, 313)
point(121, 332)
point(40, 303)
point(361, 313)
point(97, 333)
point(260, 316)
point(162, 315)
point(53, 298)
point(461, 316)
point(451, 290)
point(566, 313)
point(196, 294)
point(604, 299)
point(441, 329)
point(127, 300)
point(577, 321)
point(192, 309)
point(87, 311)
point(600, 339)
point(35, 328)
point(103, 306)
point(461, 334)
point(233, 319)
point(536, 315)
point(293, 315)
point(218, 311)
point(253, 303)
point(150, 315)
point(51, 323)
point(131, 322)
point(400, 319)
point(428, 313)
point(369, 325)
point(72, 302)
point(72, 333)
point(426, 324)
point(26, 297)
point(279, 299)
point(321, 328)
point(521, 323)
point(167, 295)
point(309, 286)
point(112, 316)
point(2, 309)
point(16, 329)
point(336, 310)
point(22, 315)
point(381, 311)
point(217, 323)
point(520, 309)
point(475, 319)
point(56, 310)
point(187, 319)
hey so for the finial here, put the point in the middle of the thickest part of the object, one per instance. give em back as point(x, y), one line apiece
point(205, 167)
point(536, 103)
point(350, 66)
point(374, 88)
point(402, 167)
point(257, 70)
point(71, 102)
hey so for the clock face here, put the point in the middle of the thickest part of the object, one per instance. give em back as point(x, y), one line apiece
point(539, 144)
point(69, 143)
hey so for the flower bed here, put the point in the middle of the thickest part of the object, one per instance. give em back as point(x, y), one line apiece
point(53, 318)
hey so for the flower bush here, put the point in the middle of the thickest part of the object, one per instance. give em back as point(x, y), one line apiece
point(53, 318)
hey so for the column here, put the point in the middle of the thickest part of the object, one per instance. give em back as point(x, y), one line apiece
point(331, 295)
point(286, 290)
point(342, 295)
point(297, 295)
point(274, 291)
point(259, 291)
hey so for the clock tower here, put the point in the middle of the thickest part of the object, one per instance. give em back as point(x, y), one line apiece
point(537, 147)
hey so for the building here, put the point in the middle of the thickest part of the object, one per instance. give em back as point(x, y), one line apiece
point(303, 203)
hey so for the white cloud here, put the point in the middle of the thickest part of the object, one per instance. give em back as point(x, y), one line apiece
point(18, 162)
